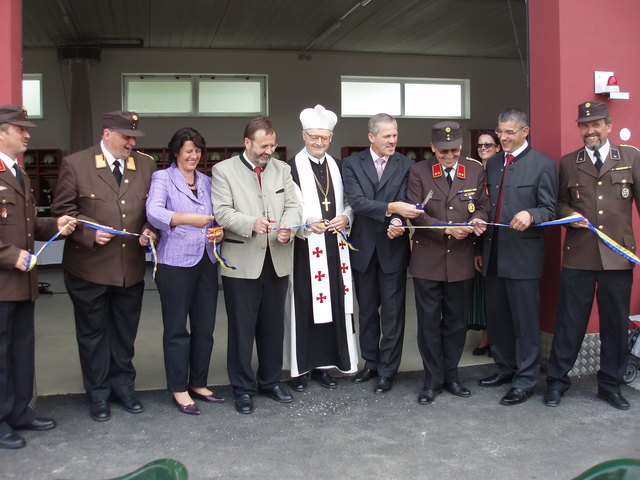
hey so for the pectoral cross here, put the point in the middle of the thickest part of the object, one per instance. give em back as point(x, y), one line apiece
point(326, 204)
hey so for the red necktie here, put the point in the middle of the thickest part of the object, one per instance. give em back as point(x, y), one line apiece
point(509, 158)
point(258, 171)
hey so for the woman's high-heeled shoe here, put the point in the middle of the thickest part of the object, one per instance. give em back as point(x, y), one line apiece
point(188, 409)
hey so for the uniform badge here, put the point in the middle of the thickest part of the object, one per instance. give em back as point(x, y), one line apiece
point(131, 163)
point(462, 173)
point(471, 207)
point(2, 167)
point(615, 154)
point(2, 187)
point(625, 192)
point(580, 158)
point(3, 213)
point(436, 170)
point(100, 161)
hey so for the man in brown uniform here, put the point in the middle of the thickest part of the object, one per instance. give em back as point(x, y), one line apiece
point(19, 227)
point(107, 184)
point(600, 182)
point(452, 191)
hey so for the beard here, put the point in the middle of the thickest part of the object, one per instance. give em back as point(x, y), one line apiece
point(596, 146)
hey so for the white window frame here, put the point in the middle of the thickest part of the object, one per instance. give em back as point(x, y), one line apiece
point(195, 80)
point(34, 76)
point(465, 93)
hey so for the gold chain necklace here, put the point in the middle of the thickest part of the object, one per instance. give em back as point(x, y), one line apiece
point(324, 191)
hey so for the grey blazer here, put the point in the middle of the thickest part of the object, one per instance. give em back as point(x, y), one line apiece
point(531, 184)
point(238, 200)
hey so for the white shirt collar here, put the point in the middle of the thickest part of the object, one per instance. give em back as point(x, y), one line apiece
point(317, 161)
point(107, 155)
point(517, 152)
point(604, 152)
point(8, 162)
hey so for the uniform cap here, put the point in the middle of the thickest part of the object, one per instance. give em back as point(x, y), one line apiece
point(588, 111)
point(446, 135)
point(15, 115)
point(122, 122)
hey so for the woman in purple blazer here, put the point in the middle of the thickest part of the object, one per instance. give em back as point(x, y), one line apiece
point(179, 206)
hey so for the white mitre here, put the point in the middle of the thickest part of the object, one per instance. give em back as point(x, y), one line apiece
point(318, 117)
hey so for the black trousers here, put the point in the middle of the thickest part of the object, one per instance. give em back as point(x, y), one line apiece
point(255, 311)
point(188, 292)
point(577, 289)
point(17, 364)
point(107, 321)
point(513, 324)
point(442, 309)
point(381, 300)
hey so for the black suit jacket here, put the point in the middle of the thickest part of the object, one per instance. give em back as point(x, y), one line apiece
point(369, 200)
point(531, 184)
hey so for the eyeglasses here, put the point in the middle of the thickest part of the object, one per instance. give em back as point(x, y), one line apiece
point(487, 145)
point(321, 138)
point(508, 132)
point(264, 148)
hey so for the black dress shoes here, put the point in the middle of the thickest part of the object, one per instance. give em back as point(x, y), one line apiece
point(299, 384)
point(38, 424)
point(12, 441)
point(383, 385)
point(495, 380)
point(279, 394)
point(213, 398)
point(324, 379)
point(244, 403)
point(553, 397)
point(457, 389)
point(515, 396)
point(428, 395)
point(191, 409)
point(364, 375)
point(614, 399)
point(100, 411)
point(131, 404)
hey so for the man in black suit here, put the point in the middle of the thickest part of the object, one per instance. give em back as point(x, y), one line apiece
point(523, 186)
point(375, 185)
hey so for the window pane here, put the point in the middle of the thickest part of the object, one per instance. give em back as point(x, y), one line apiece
point(31, 96)
point(433, 100)
point(146, 96)
point(369, 98)
point(230, 97)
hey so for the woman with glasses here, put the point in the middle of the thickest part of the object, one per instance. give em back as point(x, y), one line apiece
point(488, 145)
point(179, 206)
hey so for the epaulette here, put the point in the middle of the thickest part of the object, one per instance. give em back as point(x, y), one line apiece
point(631, 146)
point(473, 160)
point(144, 154)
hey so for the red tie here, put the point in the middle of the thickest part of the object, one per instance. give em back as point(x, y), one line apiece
point(509, 158)
point(258, 171)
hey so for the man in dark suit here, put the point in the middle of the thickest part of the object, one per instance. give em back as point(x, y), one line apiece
point(523, 185)
point(107, 184)
point(375, 185)
point(600, 182)
point(442, 259)
point(19, 227)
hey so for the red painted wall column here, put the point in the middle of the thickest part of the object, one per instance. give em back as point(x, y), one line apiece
point(568, 42)
point(11, 52)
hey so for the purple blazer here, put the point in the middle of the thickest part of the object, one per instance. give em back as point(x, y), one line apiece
point(182, 245)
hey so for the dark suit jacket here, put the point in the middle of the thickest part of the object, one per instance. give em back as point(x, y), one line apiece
point(19, 227)
point(369, 200)
point(599, 197)
point(88, 191)
point(531, 184)
point(435, 255)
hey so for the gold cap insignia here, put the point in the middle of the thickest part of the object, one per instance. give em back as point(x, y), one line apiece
point(447, 129)
point(587, 105)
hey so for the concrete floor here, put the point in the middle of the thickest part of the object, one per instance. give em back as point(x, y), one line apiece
point(345, 433)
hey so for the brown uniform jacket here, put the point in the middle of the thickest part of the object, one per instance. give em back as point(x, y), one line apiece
point(19, 227)
point(434, 255)
point(87, 190)
point(605, 198)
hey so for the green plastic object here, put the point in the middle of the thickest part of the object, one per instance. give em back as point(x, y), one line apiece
point(619, 469)
point(163, 469)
